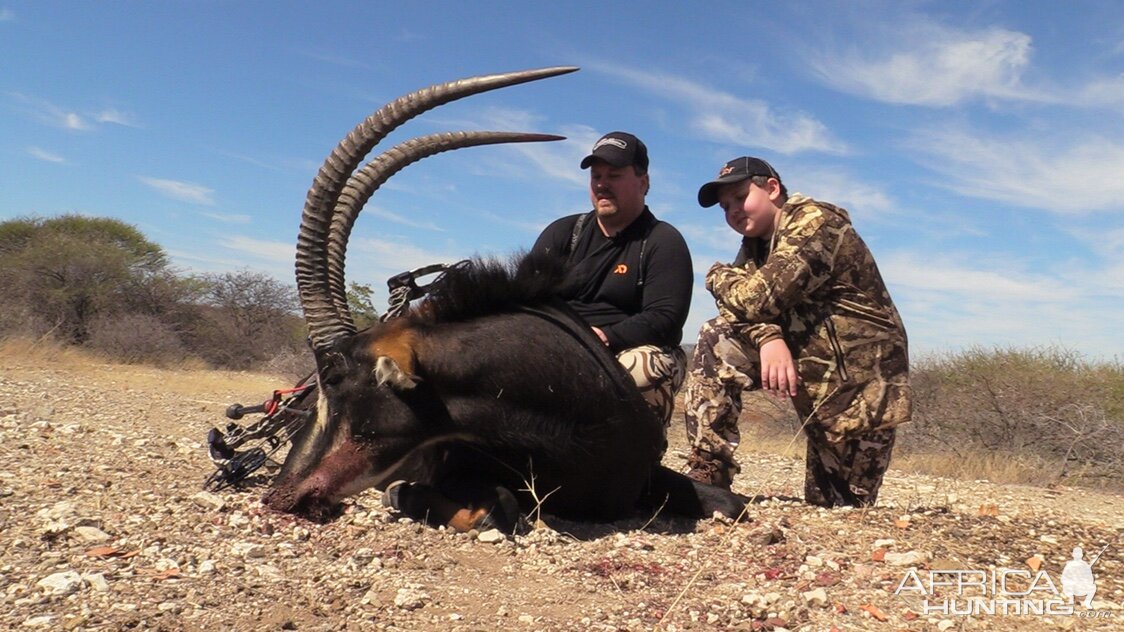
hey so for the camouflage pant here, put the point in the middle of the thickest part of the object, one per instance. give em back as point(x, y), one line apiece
point(659, 373)
point(847, 473)
point(724, 365)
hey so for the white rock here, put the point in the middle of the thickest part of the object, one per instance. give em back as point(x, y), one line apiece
point(96, 581)
point(362, 556)
point(816, 598)
point(58, 517)
point(248, 550)
point(491, 536)
point(207, 500)
point(884, 543)
point(39, 621)
point(166, 564)
point(755, 603)
point(910, 558)
point(63, 583)
point(269, 571)
point(206, 567)
point(410, 598)
point(813, 561)
point(91, 534)
point(944, 624)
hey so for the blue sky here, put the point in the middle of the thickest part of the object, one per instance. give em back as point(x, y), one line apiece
point(979, 146)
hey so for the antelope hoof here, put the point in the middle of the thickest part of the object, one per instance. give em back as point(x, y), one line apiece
point(387, 371)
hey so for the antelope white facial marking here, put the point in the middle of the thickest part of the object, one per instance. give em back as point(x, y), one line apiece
point(387, 371)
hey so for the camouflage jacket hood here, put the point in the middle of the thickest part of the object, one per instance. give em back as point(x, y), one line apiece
point(816, 284)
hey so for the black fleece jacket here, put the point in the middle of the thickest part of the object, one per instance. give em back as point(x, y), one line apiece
point(634, 286)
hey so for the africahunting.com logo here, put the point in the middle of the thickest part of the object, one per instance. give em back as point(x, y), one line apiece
point(1007, 591)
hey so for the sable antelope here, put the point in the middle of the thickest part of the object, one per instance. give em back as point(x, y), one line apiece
point(488, 389)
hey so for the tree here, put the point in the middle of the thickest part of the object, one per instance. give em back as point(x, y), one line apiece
point(246, 317)
point(64, 273)
point(363, 310)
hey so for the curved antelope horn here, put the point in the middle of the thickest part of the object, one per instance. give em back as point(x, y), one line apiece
point(316, 271)
point(363, 184)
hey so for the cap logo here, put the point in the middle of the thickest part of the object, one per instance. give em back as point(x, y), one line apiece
point(616, 142)
point(725, 170)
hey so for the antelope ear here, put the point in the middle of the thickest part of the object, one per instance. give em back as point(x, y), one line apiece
point(388, 372)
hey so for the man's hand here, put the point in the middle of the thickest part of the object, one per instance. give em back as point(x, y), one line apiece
point(778, 370)
point(601, 335)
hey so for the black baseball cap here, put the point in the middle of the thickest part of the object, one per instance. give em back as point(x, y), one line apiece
point(736, 170)
point(619, 149)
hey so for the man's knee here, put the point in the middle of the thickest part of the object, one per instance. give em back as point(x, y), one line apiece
point(653, 367)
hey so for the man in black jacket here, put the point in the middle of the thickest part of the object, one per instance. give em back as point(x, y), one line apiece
point(631, 273)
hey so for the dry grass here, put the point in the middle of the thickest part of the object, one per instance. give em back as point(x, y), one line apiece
point(996, 468)
point(767, 426)
point(190, 379)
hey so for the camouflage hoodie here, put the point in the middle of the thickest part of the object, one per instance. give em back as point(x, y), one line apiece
point(816, 285)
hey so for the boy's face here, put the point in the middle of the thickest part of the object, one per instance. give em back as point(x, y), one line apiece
point(751, 210)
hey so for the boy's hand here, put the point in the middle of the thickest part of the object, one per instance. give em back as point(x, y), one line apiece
point(778, 370)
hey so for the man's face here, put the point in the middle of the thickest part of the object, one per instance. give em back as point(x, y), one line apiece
point(750, 210)
point(616, 191)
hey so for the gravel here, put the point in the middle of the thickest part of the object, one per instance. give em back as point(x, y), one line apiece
point(104, 526)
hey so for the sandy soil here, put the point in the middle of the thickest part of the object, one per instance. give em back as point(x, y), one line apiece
point(103, 526)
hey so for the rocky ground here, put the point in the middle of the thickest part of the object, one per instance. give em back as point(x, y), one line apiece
point(104, 526)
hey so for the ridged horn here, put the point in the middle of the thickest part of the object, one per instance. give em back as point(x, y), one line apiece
point(317, 273)
point(363, 184)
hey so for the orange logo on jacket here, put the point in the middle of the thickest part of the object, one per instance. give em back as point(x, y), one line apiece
point(620, 269)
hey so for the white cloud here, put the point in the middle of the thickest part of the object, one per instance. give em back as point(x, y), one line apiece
point(994, 282)
point(861, 199)
point(1070, 177)
point(58, 116)
point(44, 155)
point(710, 234)
point(51, 114)
point(185, 191)
point(557, 159)
point(71, 120)
point(923, 63)
point(229, 218)
point(1103, 91)
point(273, 251)
point(726, 118)
point(116, 117)
point(384, 257)
point(398, 219)
point(999, 303)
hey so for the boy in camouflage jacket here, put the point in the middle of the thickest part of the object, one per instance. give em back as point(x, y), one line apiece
point(803, 313)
